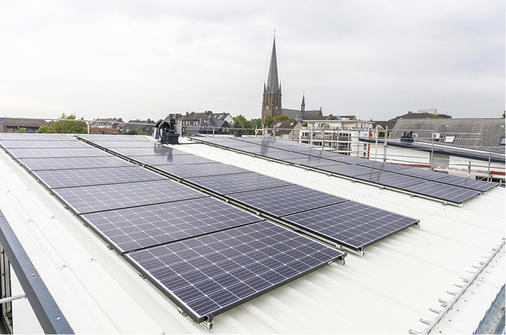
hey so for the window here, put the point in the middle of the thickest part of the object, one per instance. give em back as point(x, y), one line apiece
point(502, 140)
point(449, 138)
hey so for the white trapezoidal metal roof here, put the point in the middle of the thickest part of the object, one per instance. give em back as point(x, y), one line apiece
point(389, 289)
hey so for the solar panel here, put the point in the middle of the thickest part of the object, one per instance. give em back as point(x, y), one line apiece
point(142, 227)
point(35, 137)
point(312, 161)
point(252, 149)
point(385, 166)
point(228, 184)
point(351, 224)
point(282, 155)
point(175, 159)
point(442, 191)
point(200, 170)
point(479, 185)
point(90, 199)
point(389, 179)
point(346, 170)
point(342, 158)
point(421, 173)
point(57, 152)
point(126, 144)
point(207, 275)
point(286, 200)
point(43, 144)
point(113, 138)
point(224, 141)
point(36, 164)
point(128, 151)
point(96, 176)
point(384, 174)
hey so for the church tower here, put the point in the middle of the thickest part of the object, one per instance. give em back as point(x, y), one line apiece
point(271, 103)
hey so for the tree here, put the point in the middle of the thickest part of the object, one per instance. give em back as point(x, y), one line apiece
point(283, 118)
point(241, 122)
point(65, 127)
point(256, 123)
point(268, 121)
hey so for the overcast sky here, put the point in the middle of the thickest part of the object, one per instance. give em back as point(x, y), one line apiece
point(145, 59)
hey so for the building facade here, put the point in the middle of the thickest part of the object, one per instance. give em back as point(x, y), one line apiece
point(203, 123)
point(339, 135)
point(21, 125)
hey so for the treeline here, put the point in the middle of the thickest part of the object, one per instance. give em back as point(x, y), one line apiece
point(249, 126)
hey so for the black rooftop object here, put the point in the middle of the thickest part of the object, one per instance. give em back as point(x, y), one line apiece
point(166, 132)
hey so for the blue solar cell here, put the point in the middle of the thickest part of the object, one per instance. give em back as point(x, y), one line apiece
point(113, 138)
point(199, 170)
point(351, 224)
point(35, 137)
point(346, 170)
point(43, 144)
point(228, 184)
point(286, 200)
point(57, 152)
point(421, 173)
point(312, 161)
point(149, 151)
point(282, 154)
point(389, 179)
point(209, 274)
point(36, 164)
point(141, 227)
point(443, 191)
point(127, 144)
point(384, 166)
point(479, 185)
point(90, 199)
point(97, 176)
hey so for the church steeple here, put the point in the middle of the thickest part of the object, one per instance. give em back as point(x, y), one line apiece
point(272, 79)
point(300, 115)
point(271, 104)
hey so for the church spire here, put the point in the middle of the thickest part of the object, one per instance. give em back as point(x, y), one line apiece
point(271, 103)
point(272, 79)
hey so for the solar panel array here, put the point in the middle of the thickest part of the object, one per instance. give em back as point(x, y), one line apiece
point(272, 197)
point(206, 255)
point(215, 272)
point(436, 185)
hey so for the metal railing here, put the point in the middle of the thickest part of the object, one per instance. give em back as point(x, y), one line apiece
point(46, 309)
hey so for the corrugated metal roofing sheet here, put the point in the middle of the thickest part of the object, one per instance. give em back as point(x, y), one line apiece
point(387, 290)
point(471, 132)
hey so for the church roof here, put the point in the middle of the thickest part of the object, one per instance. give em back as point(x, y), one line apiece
point(272, 79)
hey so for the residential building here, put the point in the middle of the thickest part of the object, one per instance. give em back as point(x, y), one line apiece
point(105, 123)
point(469, 147)
point(110, 131)
point(421, 114)
point(111, 126)
point(286, 130)
point(16, 125)
point(142, 126)
point(479, 133)
point(203, 123)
